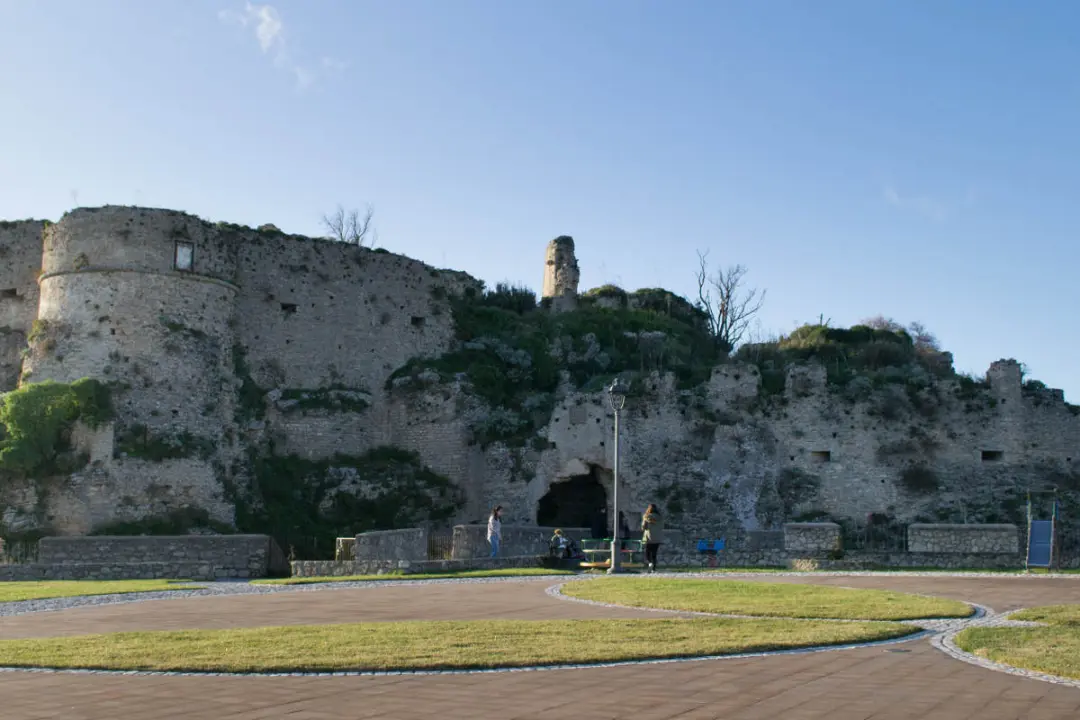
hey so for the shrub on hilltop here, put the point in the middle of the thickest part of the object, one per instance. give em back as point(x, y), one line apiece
point(512, 351)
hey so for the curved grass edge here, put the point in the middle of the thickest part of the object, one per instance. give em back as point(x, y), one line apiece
point(971, 610)
point(872, 634)
point(951, 644)
point(53, 589)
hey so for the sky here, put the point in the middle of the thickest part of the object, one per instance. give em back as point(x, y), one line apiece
point(910, 159)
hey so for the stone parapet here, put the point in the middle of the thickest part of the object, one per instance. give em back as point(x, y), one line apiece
point(409, 545)
point(193, 570)
point(239, 556)
point(811, 538)
point(965, 539)
point(336, 568)
point(470, 541)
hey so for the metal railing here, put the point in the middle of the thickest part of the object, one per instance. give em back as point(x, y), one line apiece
point(874, 537)
point(440, 544)
point(18, 552)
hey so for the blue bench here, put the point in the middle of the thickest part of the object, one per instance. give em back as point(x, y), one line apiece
point(710, 548)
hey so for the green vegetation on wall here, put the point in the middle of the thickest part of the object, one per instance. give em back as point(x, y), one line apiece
point(512, 351)
point(176, 522)
point(305, 504)
point(336, 398)
point(138, 441)
point(881, 355)
point(36, 422)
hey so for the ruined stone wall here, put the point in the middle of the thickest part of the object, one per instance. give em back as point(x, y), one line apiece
point(314, 313)
point(561, 273)
point(20, 263)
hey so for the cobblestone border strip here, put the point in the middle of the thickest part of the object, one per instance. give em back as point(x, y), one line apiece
point(946, 643)
point(935, 625)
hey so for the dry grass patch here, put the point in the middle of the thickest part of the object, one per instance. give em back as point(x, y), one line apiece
point(508, 572)
point(1054, 649)
point(765, 599)
point(432, 645)
point(16, 591)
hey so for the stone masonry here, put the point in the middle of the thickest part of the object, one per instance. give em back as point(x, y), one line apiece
point(192, 322)
point(811, 538)
point(967, 539)
point(194, 557)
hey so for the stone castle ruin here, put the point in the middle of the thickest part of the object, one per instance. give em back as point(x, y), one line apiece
point(214, 377)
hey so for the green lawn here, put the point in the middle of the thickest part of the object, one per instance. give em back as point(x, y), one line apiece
point(431, 645)
point(1053, 649)
point(765, 599)
point(15, 591)
point(508, 572)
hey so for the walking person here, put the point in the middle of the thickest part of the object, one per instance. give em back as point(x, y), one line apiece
point(652, 534)
point(494, 530)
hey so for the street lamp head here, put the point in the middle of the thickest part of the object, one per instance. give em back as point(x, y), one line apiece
point(617, 392)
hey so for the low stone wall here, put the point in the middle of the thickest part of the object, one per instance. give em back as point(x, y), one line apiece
point(964, 539)
point(192, 556)
point(811, 539)
point(470, 541)
point(196, 570)
point(335, 568)
point(901, 560)
point(410, 544)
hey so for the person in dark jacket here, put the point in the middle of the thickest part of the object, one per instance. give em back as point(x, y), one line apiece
point(652, 534)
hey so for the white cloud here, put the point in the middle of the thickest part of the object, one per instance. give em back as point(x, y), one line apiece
point(266, 24)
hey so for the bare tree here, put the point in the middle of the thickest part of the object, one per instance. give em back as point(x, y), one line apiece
point(350, 227)
point(727, 305)
point(925, 341)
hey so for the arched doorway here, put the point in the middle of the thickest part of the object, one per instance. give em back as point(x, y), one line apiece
point(574, 502)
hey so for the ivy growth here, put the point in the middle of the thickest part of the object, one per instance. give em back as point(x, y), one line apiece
point(305, 504)
point(36, 422)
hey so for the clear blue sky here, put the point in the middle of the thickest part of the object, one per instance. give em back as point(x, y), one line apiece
point(916, 159)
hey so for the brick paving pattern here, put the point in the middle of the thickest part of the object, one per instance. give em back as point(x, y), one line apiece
point(907, 680)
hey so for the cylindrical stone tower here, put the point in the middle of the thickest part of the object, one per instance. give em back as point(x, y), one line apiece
point(561, 273)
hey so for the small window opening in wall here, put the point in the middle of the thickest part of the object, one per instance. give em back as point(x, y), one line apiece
point(184, 258)
point(821, 456)
point(288, 308)
point(9, 293)
point(992, 455)
point(417, 321)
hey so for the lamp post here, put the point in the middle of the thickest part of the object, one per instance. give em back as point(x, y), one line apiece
point(617, 397)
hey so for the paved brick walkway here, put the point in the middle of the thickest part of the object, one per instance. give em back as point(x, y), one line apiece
point(879, 683)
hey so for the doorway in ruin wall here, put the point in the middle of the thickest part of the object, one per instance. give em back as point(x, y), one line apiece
point(573, 502)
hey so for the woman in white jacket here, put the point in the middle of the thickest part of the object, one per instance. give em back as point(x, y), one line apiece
point(494, 530)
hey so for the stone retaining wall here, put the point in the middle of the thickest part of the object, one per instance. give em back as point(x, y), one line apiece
point(811, 538)
point(927, 538)
point(196, 570)
point(470, 541)
point(342, 568)
point(410, 544)
point(200, 557)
